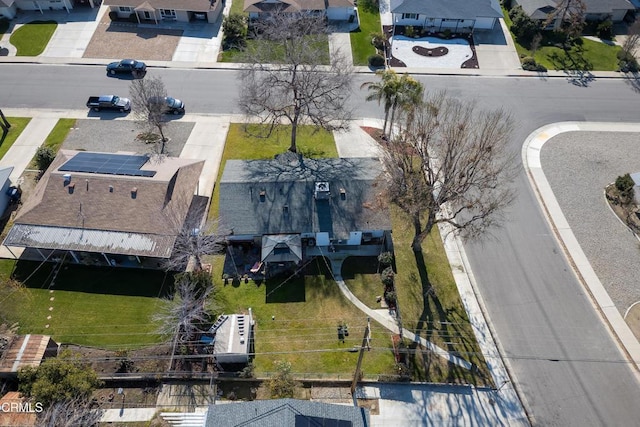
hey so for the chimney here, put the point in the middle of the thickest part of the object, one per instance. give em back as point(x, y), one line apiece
point(321, 191)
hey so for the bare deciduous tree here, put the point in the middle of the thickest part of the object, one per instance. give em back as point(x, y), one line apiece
point(450, 162)
point(196, 239)
point(183, 316)
point(632, 41)
point(69, 413)
point(568, 16)
point(286, 83)
point(148, 99)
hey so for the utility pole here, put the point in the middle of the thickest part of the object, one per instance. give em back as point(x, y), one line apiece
point(366, 341)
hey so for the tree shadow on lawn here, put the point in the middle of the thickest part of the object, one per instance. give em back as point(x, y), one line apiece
point(574, 64)
point(92, 279)
point(444, 326)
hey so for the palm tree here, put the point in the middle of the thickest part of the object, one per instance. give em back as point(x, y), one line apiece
point(383, 91)
point(408, 93)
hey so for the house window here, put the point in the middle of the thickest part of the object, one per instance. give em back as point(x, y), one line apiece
point(168, 13)
point(125, 8)
point(409, 16)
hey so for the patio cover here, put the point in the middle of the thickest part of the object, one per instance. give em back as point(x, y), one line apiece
point(281, 248)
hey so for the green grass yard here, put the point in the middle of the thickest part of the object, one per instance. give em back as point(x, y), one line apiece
point(441, 317)
point(306, 313)
point(17, 126)
point(103, 307)
point(32, 38)
point(361, 46)
point(276, 51)
point(599, 56)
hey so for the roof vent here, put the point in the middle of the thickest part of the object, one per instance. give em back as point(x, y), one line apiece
point(71, 187)
point(134, 192)
point(343, 194)
point(285, 209)
point(263, 195)
point(322, 191)
point(111, 189)
point(67, 178)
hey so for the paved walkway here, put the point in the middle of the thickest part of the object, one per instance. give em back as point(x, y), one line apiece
point(551, 208)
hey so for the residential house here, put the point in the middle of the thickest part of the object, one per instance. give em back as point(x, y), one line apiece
point(596, 10)
point(167, 10)
point(291, 208)
point(438, 15)
point(106, 209)
point(8, 9)
point(335, 10)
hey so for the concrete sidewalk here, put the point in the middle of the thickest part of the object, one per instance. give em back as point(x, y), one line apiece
point(24, 148)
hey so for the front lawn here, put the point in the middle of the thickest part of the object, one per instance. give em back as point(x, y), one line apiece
point(429, 303)
point(590, 55)
point(276, 51)
point(361, 46)
point(586, 55)
point(17, 126)
point(32, 38)
point(103, 307)
point(56, 137)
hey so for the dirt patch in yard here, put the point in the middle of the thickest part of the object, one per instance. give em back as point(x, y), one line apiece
point(127, 40)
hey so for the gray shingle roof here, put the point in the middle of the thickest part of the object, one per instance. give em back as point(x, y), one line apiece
point(286, 412)
point(449, 9)
point(270, 197)
point(538, 9)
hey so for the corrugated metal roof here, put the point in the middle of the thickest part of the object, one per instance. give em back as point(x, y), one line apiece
point(113, 242)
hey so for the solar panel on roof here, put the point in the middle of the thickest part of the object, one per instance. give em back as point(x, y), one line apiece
point(109, 164)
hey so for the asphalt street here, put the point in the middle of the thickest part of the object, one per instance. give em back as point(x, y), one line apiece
point(564, 359)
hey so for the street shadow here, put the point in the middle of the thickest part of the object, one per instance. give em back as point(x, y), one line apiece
point(632, 79)
point(102, 115)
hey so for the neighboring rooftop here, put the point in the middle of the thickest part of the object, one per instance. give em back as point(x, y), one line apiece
point(449, 9)
point(286, 412)
point(282, 196)
point(113, 203)
point(190, 5)
point(26, 350)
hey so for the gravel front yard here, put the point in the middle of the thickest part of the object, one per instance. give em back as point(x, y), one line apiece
point(110, 136)
point(127, 40)
point(579, 165)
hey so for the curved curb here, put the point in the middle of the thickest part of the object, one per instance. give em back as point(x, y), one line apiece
point(570, 246)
